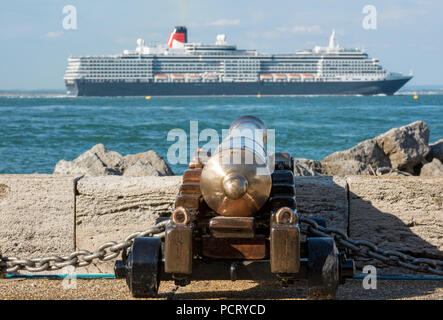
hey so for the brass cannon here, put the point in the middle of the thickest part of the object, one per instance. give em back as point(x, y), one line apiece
point(235, 218)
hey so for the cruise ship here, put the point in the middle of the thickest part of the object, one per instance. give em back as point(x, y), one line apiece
point(179, 68)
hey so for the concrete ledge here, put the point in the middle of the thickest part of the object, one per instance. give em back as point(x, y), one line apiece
point(36, 215)
point(43, 214)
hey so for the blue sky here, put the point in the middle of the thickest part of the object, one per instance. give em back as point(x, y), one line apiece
point(35, 47)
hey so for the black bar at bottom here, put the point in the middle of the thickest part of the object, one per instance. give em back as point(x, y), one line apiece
point(237, 270)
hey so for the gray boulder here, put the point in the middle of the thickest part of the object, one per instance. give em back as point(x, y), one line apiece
point(383, 170)
point(406, 146)
point(99, 161)
point(307, 167)
point(432, 169)
point(402, 149)
point(391, 172)
point(437, 149)
point(365, 158)
point(147, 163)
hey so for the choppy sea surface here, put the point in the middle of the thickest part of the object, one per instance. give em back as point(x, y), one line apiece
point(36, 132)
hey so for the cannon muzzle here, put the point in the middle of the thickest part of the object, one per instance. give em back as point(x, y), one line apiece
point(236, 180)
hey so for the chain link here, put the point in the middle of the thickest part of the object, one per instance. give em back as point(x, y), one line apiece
point(368, 249)
point(111, 250)
point(81, 258)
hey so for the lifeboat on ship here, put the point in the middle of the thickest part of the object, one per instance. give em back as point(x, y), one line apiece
point(280, 77)
point(211, 77)
point(194, 77)
point(294, 77)
point(161, 78)
point(266, 77)
point(308, 77)
point(177, 77)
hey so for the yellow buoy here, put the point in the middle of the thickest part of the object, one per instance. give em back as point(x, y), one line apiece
point(148, 97)
point(415, 96)
point(259, 95)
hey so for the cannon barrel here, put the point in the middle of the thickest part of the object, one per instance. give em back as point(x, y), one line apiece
point(236, 180)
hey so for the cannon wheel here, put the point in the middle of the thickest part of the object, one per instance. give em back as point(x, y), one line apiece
point(323, 265)
point(144, 266)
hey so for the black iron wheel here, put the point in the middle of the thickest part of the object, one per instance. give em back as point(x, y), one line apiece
point(144, 267)
point(323, 268)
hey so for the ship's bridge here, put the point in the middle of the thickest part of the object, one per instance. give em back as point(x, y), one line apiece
point(200, 49)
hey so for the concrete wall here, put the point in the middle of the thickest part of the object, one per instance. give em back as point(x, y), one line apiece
point(37, 215)
point(53, 215)
point(112, 207)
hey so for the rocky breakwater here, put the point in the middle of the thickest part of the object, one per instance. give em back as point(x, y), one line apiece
point(99, 161)
point(403, 151)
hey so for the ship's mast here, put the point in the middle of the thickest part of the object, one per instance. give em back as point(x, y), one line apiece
point(332, 44)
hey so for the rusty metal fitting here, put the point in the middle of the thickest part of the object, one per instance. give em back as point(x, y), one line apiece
point(180, 216)
point(286, 215)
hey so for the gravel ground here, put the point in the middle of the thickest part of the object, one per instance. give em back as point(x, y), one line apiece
point(35, 289)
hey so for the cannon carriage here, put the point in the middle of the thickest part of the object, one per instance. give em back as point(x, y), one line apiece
point(235, 218)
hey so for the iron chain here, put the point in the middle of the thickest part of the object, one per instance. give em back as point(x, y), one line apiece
point(80, 258)
point(111, 250)
point(368, 249)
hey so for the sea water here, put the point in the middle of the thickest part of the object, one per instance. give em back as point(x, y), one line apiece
point(36, 132)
